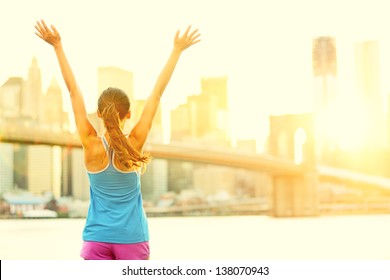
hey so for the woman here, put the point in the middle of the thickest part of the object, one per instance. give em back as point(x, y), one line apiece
point(116, 225)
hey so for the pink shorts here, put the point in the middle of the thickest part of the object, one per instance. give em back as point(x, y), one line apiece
point(111, 251)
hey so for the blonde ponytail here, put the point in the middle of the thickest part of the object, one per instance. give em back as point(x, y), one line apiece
point(127, 155)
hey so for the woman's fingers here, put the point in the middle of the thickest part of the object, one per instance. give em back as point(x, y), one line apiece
point(54, 29)
point(193, 38)
point(193, 33)
point(39, 35)
point(188, 30)
point(43, 29)
point(45, 26)
point(38, 27)
point(177, 34)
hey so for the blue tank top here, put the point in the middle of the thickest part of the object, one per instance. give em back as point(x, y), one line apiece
point(116, 213)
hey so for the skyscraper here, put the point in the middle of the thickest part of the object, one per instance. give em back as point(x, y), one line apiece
point(156, 134)
point(6, 167)
point(180, 123)
point(43, 169)
point(324, 59)
point(216, 86)
point(55, 116)
point(11, 93)
point(155, 180)
point(115, 77)
point(20, 166)
point(32, 96)
point(204, 115)
point(79, 177)
point(195, 120)
point(203, 112)
point(39, 169)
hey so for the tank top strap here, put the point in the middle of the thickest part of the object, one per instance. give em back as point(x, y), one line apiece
point(107, 148)
point(105, 143)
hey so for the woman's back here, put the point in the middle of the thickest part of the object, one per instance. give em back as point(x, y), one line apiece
point(96, 157)
point(116, 214)
point(113, 162)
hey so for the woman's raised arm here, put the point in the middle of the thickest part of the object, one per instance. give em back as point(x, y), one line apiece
point(52, 37)
point(141, 130)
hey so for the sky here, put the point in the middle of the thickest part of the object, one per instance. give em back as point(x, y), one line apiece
point(263, 47)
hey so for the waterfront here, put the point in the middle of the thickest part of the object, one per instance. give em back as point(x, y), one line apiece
point(212, 238)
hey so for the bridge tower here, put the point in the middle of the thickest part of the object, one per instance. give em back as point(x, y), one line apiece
point(292, 137)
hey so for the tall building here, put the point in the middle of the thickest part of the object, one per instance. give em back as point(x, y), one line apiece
point(56, 183)
point(155, 180)
point(367, 61)
point(203, 114)
point(22, 100)
point(156, 134)
point(6, 167)
point(74, 180)
point(42, 169)
point(39, 169)
point(66, 164)
point(11, 93)
point(180, 123)
point(325, 71)
point(115, 77)
point(203, 119)
point(20, 166)
point(216, 86)
point(324, 62)
point(54, 115)
point(79, 177)
point(32, 96)
point(196, 120)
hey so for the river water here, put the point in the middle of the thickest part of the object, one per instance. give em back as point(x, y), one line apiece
point(214, 238)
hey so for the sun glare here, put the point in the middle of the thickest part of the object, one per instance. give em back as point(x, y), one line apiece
point(347, 129)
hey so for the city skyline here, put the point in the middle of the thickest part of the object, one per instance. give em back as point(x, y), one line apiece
point(272, 76)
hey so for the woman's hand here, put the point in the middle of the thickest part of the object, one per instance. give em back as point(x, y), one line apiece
point(188, 39)
point(141, 130)
point(50, 36)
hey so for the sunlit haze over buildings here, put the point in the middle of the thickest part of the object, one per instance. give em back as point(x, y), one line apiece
point(282, 109)
point(283, 106)
point(263, 49)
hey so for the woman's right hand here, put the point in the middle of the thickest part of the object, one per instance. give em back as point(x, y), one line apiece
point(50, 36)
